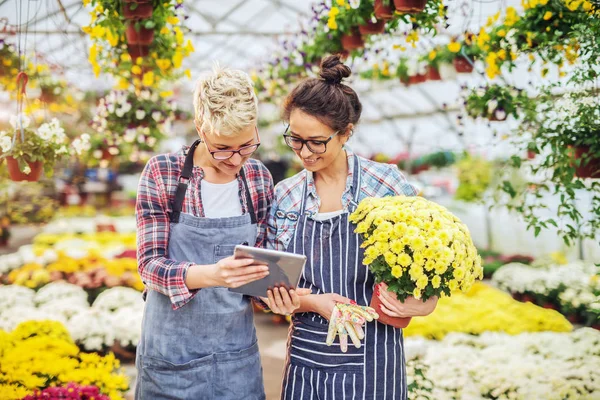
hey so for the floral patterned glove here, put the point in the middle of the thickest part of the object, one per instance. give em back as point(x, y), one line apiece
point(348, 320)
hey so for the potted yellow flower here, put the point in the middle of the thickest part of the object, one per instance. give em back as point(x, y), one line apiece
point(416, 247)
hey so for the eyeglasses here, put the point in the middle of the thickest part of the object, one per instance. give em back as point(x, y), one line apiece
point(227, 154)
point(315, 146)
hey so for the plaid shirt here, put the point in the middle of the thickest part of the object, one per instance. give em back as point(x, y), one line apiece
point(156, 190)
point(377, 180)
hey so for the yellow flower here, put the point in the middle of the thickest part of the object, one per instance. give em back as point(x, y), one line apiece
point(123, 84)
point(125, 57)
point(390, 258)
point(436, 281)
point(454, 47)
point(163, 64)
point(511, 16)
point(177, 59)
point(166, 94)
point(136, 69)
point(422, 282)
point(404, 259)
point(148, 78)
point(547, 15)
point(453, 285)
point(412, 38)
point(432, 55)
point(173, 20)
point(189, 47)
point(417, 293)
point(397, 271)
point(340, 2)
point(502, 33)
point(334, 12)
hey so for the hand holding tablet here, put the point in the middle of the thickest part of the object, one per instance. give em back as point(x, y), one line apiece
point(284, 270)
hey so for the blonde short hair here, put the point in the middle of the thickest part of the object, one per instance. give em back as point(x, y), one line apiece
point(225, 102)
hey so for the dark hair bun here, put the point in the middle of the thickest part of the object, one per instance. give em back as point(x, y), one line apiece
point(333, 70)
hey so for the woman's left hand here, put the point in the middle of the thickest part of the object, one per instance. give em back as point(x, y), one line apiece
point(283, 301)
point(411, 307)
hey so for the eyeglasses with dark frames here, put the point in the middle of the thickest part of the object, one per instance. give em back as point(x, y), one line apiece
point(222, 155)
point(315, 146)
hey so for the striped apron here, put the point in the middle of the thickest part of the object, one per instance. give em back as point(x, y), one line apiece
point(334, 265)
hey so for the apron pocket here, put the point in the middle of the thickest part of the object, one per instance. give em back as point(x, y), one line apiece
point(223, 251)
point(308, 349)
point(238, 375)
point(161, 379)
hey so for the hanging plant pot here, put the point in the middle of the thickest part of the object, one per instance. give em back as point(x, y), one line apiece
point(17, 176)
point(138, 50)
point(135, 10)
point(386, 319)
point(590, 167)
point(384, 12)
point(433, 74)
point(405, 80)
point(353, 41)
point(344, 54)
point(145, 36)
point(530, 154)
point(462, 65)
point(410, 6)
point(371, 28)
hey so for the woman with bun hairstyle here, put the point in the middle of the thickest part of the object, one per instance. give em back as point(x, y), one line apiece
point(309, 216)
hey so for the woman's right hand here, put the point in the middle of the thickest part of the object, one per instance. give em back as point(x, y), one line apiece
point(323, 304)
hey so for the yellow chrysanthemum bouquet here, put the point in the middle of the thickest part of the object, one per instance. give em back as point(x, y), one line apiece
point(416, 247)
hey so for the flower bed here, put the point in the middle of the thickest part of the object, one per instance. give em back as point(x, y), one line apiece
point(573, 289)
point(483, 309)
point(498, 366)
point(40, 354)
point(115, 317)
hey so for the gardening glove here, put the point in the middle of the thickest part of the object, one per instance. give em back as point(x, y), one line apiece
point(348, 320)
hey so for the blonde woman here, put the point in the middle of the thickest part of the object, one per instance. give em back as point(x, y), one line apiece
point(198, 338)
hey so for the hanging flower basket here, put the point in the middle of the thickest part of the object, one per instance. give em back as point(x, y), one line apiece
point(353, 41)
point(382, 11)
point(590, 167)
point(371, 28)
point(144, 36)
point(137, 10)
point(410, 6)
point(462, 65)
point(17, 176)
point(138, 50)
point(433, 73)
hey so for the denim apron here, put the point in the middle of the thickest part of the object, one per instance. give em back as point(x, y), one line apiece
point(334, 265)
point(206, 349)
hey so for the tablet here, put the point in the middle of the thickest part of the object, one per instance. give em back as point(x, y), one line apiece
point(284, 269)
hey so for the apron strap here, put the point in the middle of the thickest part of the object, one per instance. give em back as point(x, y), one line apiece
point(249, 201)
point(182, 183)
point(356, 182)
point(304, 191)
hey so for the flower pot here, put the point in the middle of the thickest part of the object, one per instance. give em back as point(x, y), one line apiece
point(527, 298)
point(382, 11)
point(145, 36)
point(410, 6)
point(405, 80)
point(574, 318)
point(17, 176)
point(371, 28)
point(462, 65)
point(385, 319)
point(590, 168)
point(138, 50)
point(419, 78)
point(140, 11)
point(353, 41)
point(433, 74)
point(47, 95)
point(596, 327)
point(549, 306)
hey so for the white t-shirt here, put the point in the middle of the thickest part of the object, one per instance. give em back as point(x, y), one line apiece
point(220, 200)
point(327, 215)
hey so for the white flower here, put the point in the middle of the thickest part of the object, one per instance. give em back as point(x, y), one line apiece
point(5, 143)
point(151, 141)
point(20, 120)
point(145, 95)
point(27, 170)
point(157, 116)
point(492, 105)
point(130, 135)
point(500, 114)
point(354, 3)
point(140, 114)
